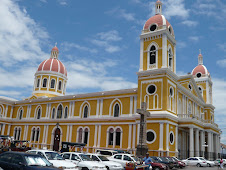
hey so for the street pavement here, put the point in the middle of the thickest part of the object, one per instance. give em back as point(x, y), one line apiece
point(201, 168)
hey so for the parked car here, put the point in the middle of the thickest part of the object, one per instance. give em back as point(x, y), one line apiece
point(123, 159)
point(106, 152)
point(209, 163)
point(164, 160)
point(57, 160)
point(158, 166)
point(175, 162)
point(181, 164)
point(83, 161)
point(217, 162)
point(197, 161)
point(110, 165)
point(24, 161)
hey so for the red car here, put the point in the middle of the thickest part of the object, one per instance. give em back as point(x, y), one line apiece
point(181, 164)
point(158, 166)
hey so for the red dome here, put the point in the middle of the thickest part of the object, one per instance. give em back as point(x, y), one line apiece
point(53, 64)
point(200, 69)
point(158, 19)
point(55, 49)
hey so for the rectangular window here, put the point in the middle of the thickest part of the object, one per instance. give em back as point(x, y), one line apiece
point(86, 137)
point(110, 139)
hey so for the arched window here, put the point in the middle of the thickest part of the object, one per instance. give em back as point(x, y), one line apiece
point(44, 82)
point(21, 114)
point(59, 86)
point(85, 113)
point(52, 84)
point(15, 133)
point(37, 134)
point(118, 137)
point(80, 135)
point(59, 112)
point(39, 113)
point(200, 91)
point(111, 136)
point(38, 82)
point(170, 58)
point(65, 112)
point(86, 135)
point(53, 113)
point(0, 111)
point(18, 135)
point(152, 55)
point(33, 135)
point(116, 110)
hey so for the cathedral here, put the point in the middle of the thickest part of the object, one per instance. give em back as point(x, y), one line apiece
point(181, 121)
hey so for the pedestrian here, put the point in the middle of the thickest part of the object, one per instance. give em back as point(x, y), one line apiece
point(147, 160)
point(221, 164)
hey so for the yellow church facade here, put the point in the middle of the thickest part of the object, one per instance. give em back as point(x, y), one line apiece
point(182, 115)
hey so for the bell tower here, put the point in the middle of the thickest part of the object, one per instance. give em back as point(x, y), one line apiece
point(157, 43)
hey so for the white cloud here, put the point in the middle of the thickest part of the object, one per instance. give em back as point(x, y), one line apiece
point(222, 46)
point(62, 2)
point(222, 63)
point(66, 46)
point(190, 23)
point(121, 13)
point(175, 9)
point(95, 75)
point(20, 36)
point(105, 40)
point(194, 38)
point(181, 44)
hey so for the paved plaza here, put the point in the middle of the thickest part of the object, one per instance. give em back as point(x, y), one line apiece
point(200, 168)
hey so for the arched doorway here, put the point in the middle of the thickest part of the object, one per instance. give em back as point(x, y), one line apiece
point(56, 140)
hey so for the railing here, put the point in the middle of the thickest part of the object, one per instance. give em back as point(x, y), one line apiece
point(194, 117)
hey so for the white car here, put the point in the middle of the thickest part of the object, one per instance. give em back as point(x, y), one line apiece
point(123, 159)
point(209, 163)
point(217, 162)
point(196, 161)
point(110, 165)
point(55, 158)
point(83, 161)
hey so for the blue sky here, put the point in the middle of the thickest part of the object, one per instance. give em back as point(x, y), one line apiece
point(99, 42)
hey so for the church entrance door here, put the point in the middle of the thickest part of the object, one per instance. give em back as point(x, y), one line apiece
point(56, 142)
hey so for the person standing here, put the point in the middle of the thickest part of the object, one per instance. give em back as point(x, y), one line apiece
point(147, 160)
point(221, 164)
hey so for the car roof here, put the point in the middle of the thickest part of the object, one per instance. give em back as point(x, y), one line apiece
point(20, 153)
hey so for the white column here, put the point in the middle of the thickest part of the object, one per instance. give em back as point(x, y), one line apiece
point(95, 136)
point(141, 54)
point(176, 140)
point(129, 136)
point(99, 136)
point(167, 139)
point(209, 149)
point(202, 142)
point(175, 67)
point(164, 51)
point(197, 143)
point(3, 129)
point(161, 136)
point(134, 135)
point(191, 142)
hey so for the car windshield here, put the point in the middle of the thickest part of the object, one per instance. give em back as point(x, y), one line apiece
point(160, 159)
point(103, 158)
point(85, 158)
point(202, 159)
point(37, 160)
point(135, 158)
point(164, 159)
point(53, 156)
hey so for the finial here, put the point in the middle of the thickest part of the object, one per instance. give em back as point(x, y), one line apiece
point(200, 51)
point(200, 58)
point(55, 44)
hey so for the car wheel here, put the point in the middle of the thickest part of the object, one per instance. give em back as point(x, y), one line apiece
point(85, 168)
point(198, 165)
point(107, 167)
point(157, 168)
point(208, 165)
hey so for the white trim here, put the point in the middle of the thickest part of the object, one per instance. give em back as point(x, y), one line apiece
point(54, 83)
point(163, 20)
point(155, 136)
point(148, 87)
point(141, 54)
point(82, 107)
point(111, 108)
point(161, 126)
point(52, 136)
point(150, 66)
